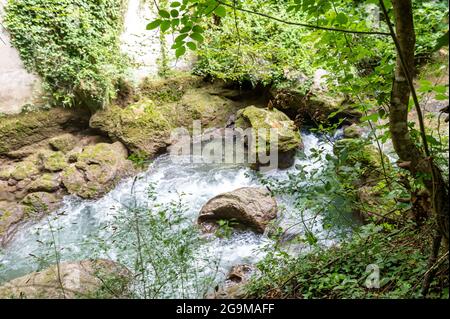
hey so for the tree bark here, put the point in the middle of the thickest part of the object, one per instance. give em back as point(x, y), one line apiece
point(420, 165)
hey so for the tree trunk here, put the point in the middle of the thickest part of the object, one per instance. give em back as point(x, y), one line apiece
point(419, 164)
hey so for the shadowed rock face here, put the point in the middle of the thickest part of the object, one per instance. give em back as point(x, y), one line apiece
point(82, 279)
point(250, 207)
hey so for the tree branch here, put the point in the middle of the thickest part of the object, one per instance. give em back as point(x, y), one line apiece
point(303, 24)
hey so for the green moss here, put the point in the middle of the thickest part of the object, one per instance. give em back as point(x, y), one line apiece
point(288, 136)
point(45, 183)
point(55, 161)
point(5, 172)
point(168, 90)
point(24, 169)
point(39, 202)
point(24, 129)
point(63, 143)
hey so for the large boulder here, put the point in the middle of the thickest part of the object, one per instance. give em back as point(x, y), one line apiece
point(23, 129)
point(287, 135)
point(145, 126)
point(97, 169)
point(69, 280)
point(250, 207)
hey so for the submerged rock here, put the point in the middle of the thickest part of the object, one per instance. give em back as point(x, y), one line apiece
point(250, 207)
point(287, 135)
point(97, 169)
point(83, 279)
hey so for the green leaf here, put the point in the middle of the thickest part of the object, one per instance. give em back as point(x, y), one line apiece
point(341, 18)
point(153, 25)
point(164, 14)
point(373, 117)
point(180, 51)
point(181, 37)
point(220, 11)
point(197, 29)
point(197, 37)
point(174, 13)
point(185, 29)
point(191, 45)
point(165, 25)
point(175, 4)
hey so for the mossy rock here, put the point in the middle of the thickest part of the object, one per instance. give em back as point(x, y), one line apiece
point(169, 90)
point(287, 138)
point(352, 131)
point(63, 143)
point(145, 126)
point(11, 213)
point(318, 108)
point(356, 151)
point(45, 183)
point(96, 170)
point(53, 161)
point(40, 202)
point(24, 129)
point(24, 169)
point(98, 278)
point(5, 172)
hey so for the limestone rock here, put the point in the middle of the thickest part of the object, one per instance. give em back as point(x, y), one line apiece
point(250, 207)
point(82, 279)
point(97, 169)
point(45, 183)
point(23, 129)
point(287, 135)
point(63, 143)
point(40, 202)
point(24, 170)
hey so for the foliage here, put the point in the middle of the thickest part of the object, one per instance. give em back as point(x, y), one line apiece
point(160, 247)
point(73, 45)
point(349, 271)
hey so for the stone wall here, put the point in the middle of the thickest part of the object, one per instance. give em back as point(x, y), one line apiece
point(17, 86)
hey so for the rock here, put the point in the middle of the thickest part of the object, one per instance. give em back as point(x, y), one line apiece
point(45, 183)
point(24, 169)
point(53, 161)
point(63, 143)
point(5, 172)
point(145, 126)
point(97, 169)
point(289, 140)
point(83, 279)
point(250, 207)
point(40, 202)
point(359, 153)
point(316, 108)
point(353, 131)
point(11, 213)
point(234, 285)
point(23, 129)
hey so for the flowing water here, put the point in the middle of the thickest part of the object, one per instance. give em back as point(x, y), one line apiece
point(79, 220)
